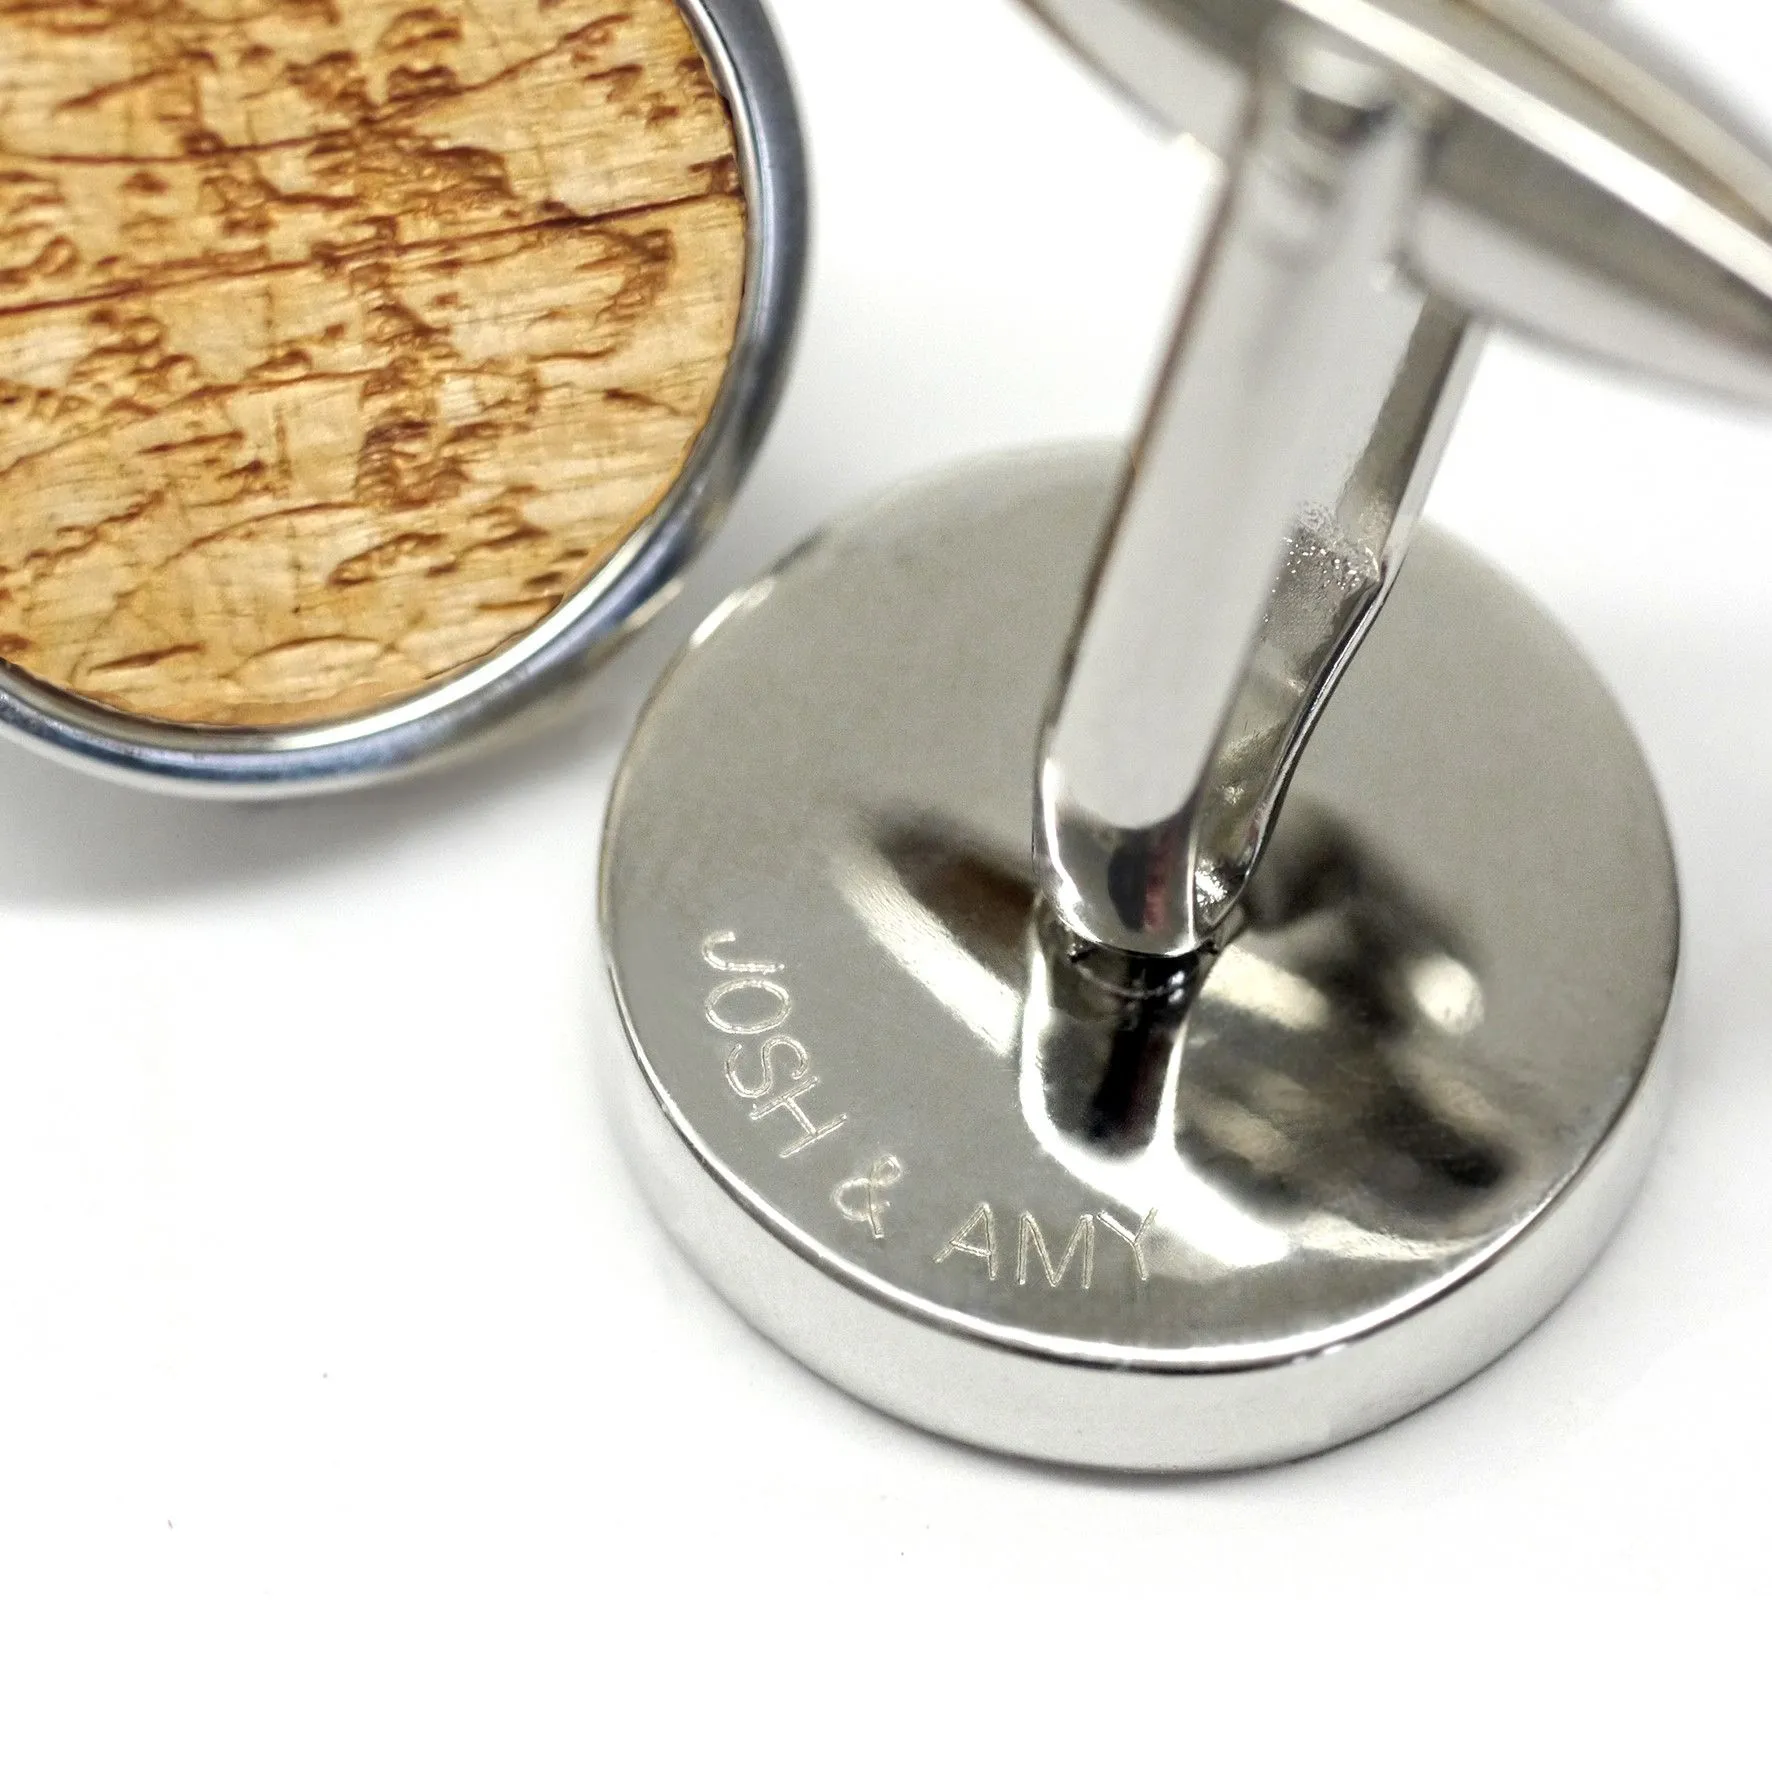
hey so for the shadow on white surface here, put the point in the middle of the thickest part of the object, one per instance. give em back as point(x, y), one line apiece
point(67, 838)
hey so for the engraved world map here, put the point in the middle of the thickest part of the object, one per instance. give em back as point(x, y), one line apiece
point(341, 339)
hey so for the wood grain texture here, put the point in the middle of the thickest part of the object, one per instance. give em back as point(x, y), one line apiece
point(341, 339)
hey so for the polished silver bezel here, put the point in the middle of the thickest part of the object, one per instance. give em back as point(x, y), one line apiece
point(453, 717)
point(879, 696)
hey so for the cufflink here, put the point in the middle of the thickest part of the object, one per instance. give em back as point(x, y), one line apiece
point(367, 372)
point(1158, 961)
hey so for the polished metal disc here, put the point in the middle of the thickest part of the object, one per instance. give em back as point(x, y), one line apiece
point(896, 1122)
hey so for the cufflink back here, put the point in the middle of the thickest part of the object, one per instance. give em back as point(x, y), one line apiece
point(1152, 962)
point(366, 371)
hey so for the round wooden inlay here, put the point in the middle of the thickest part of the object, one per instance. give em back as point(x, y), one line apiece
point(341, 339)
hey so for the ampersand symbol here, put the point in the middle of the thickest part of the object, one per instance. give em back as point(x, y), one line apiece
point(862, 1200)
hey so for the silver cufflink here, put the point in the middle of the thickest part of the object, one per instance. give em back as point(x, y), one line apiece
point(1155, 962)
point(367, 372)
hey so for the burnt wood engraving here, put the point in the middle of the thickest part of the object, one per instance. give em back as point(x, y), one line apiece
point(340, 340)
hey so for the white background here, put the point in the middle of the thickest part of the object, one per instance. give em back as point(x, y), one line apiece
point(354, 1413)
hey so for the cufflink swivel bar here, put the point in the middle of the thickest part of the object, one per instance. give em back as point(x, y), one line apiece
point(1246, 518)
point(1312, 383)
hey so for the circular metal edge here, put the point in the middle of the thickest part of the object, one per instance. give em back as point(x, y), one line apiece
point(1091, 1407)
point(456, 717)
point(1010, 1398)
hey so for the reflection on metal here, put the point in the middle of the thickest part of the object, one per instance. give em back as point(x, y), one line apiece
point(1127, 1154)
point(1447, 993)
point(1171, 1101)
point(927, 949)
point(1257, 987)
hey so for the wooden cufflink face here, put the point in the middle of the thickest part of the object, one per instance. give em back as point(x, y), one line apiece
point(344, 347)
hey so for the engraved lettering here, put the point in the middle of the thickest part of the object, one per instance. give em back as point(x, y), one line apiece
point(801, 1064)
point(772, 1018)
point(982, 1222)
point(810, 1132)
point(1033, 1241)
point(861, 1202)
point(751, 968)
point(775, 1076)
point(1134, 1239)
